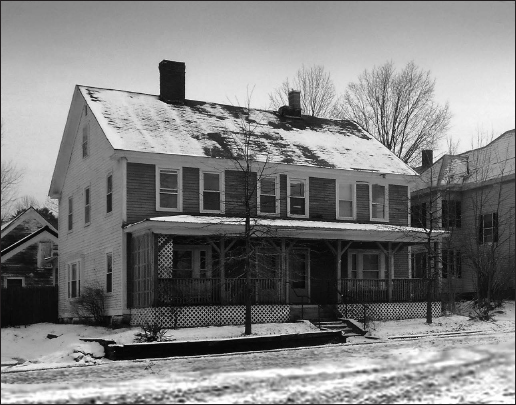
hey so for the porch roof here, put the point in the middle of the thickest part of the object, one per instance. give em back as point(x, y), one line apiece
point(288, 228)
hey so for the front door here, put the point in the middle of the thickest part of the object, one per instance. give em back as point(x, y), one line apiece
point(299, 269)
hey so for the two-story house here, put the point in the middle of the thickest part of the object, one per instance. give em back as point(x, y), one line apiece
point(471, 195)
point(151, 194)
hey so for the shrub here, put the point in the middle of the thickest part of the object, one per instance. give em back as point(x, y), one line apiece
point(152, 331)
point(91, 304)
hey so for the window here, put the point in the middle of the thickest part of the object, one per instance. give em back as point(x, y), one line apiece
point(297, 197)
point(451, 263)
point(191, 262)
point(10, 282)
point(345, 203)
point(488, 228)
point(211, 192)
point(70, 213)
point(87, 206)
point(268, 195)
point(168, 189)
point(366, 264)
point(109, 272)
point(74, 279)
point(451, 214)
point(378, 200)
point(418, 215)
point(109, 194)
point(85, 136)
point(419, 264)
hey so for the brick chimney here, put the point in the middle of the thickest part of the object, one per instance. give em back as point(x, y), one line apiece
point(427, 158)
point(293, 109)
point(172, 82)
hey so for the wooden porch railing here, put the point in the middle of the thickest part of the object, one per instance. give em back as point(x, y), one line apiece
point(403, 290)
point(210, 291)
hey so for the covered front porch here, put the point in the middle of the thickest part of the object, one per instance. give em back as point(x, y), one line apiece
point(198, 261)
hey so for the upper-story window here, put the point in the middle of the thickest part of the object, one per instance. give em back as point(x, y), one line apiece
point(297, 201)
point(418, 215)
point(346, 198)
point(268, 195)
point(87, 206)
point(211, 192)
point(451, 214)
point(168, 186)
point(488, 228)
point(85, 140)
point(378, 202)
point(70, 213)
point(109, 193)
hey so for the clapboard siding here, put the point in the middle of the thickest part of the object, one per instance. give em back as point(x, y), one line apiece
point(362, 193)
point(398, 204)
point(322, 199)
point(235, 193)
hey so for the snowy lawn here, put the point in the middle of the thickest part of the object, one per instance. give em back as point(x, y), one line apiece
point(30, 347)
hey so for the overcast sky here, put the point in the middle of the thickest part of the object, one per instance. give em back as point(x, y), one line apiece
point(49, 47)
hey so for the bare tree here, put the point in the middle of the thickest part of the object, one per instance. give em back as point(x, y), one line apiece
point(317, 91)
point(10, 177)
point(397, 108)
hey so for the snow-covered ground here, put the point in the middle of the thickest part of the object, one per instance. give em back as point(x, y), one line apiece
point(30, 348)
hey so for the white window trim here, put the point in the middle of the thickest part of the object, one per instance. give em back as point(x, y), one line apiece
point(360, 262)
point(221, 190)
point(69, 224)
point(353, 201)
point(307, 193)
point(196, 265)
point(106, 252)
point(179, 189)
point(386, 186)
point(277, 191)
point(14, 278)
point(68, 278)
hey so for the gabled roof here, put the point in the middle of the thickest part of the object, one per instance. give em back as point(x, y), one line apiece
point(29, 213)
point(41, 234)
point(489, 162)
point(143, 123)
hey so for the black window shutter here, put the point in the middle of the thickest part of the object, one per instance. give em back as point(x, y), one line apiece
point(458, 213)
point(445, 214)
point(480, 230)
point(495, 227)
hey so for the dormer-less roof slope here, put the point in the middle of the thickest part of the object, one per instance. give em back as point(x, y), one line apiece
point(143, 123)
point(29, 213)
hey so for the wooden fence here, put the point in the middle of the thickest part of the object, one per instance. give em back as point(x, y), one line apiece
point(403, 290)
point(28, 305)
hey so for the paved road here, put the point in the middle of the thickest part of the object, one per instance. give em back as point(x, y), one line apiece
point(459, 369)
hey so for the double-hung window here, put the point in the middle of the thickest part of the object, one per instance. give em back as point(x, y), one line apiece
point(378, 202)
point(109, 272)
point(74, 279)
point(297, 201)
point(191, 262)
point(488, 228)
point(168, 189)
point(366, 264)
point(451, 263)
point(211, 194)
point(70, 213)
point(268, 195)
point(451, 214)
point(345, 205)
point(87, 206)
point(109, 193)
point(419, 264)
point(418, 215)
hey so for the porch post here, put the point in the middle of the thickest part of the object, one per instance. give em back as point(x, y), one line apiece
point(285, 270)
point(222, 259)
point(390, 265)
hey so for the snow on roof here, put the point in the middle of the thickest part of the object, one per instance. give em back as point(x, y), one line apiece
point(477, 165)
point(143, 123)
point(212, 224)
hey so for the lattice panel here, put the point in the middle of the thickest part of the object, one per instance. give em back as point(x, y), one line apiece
point(390, 310)
point(165, 255)
point(210, 315)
